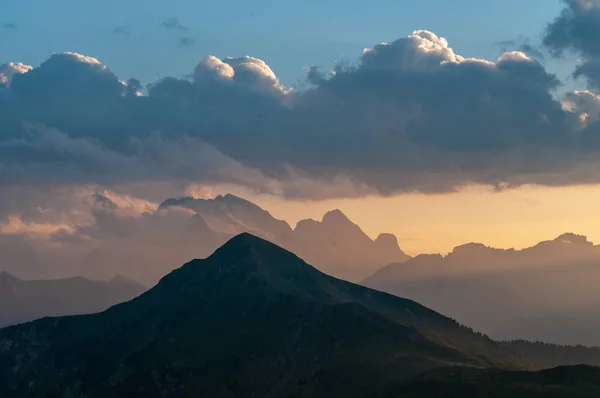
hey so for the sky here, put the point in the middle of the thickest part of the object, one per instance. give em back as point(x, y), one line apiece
point(290, 35)
point(473, 121)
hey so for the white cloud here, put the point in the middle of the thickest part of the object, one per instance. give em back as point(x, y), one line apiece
point(7, 71)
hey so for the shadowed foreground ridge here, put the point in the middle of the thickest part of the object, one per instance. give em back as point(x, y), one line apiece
point(255, 320)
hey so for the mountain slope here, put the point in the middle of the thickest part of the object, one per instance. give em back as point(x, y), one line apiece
point(250, 320)
point(22, 301)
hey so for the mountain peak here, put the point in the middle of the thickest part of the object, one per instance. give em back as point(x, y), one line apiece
point(335, 216)
point(244, 240)
point(387, 240)
point(231, 197)
point(471, 248)
point(573, 239)
point(249, 248)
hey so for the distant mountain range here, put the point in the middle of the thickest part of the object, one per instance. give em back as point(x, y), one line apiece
point(547, 292)
point(22, 301)
point(335, 245)
point(255, 320)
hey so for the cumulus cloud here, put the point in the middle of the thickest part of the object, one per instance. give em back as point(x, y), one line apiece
point(69, 75)
point(7, 71)
point(414, 115)
point(585, 105)
point(410, 115)
point(245, 80)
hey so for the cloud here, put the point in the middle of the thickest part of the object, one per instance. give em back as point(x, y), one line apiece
point(410, 115)
point(99, 235)
point(173, 24)
point(522, 44)
point(67, 77)
point(122, 30)
point(186, 41)
point(414, 115)
point(576, 30)
point(585, 105)
point(7, 71)
point(245, 85)
point(10, 25)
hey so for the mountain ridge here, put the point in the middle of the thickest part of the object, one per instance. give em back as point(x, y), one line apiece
point(335, 244)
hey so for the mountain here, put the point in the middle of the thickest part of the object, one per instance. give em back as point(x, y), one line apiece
point(147, 248)
point(233, 215)
point(339, 247)
point(255, 320)
point(22, 301)
point(547, 292)
point(335, 245)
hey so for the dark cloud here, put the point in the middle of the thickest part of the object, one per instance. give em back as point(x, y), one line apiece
point(522, 44)
point(186, 41)
point(532, 51)
point(10, 25)
point(122, 30)
point(576, 28)
point(576, 31)
point(70, 76)
point(411, 115)
point(173, 24)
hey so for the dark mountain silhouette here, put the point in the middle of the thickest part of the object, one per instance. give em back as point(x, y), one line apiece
point(255, 320)
point(22, 301)
point(547, 292)
point(335, 245)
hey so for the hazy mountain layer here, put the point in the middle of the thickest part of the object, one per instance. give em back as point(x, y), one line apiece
point(547, 292)
point(22, 301)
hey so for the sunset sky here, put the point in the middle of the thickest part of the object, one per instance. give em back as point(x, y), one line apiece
point(514, 218)
point(441, 122)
